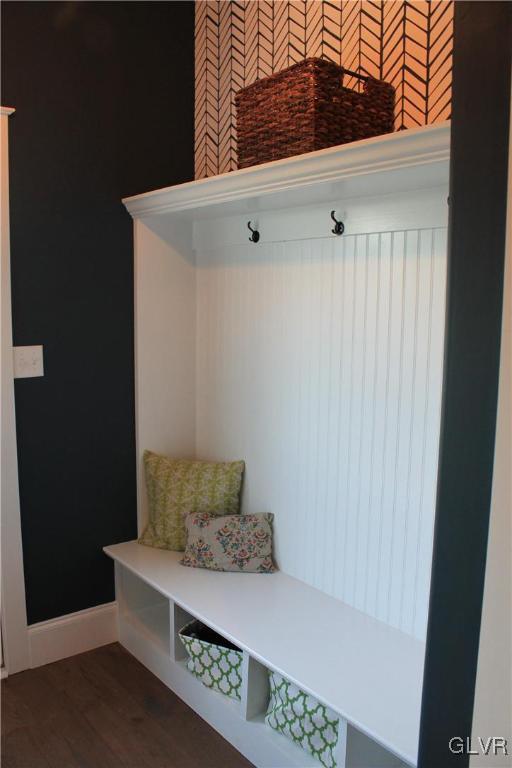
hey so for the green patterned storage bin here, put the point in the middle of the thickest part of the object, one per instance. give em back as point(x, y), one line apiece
point(301, 718)
point(216, 662)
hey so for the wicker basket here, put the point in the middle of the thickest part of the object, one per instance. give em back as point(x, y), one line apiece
point(306, 107)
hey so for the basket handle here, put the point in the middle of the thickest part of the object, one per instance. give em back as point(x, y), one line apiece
point(350, 73)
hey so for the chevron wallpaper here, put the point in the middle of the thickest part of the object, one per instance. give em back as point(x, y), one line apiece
point(407, 43)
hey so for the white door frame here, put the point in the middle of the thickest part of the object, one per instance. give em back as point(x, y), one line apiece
point(13, 612)
point(492, 712)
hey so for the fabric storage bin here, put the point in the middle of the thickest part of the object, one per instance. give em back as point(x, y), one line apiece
point(303, 719)
point(215, 661)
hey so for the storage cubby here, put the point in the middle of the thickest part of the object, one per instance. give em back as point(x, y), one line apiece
point(149, 625)
point(146, 609)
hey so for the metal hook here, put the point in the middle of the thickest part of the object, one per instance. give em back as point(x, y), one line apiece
point(339, 226)
point(255, 234)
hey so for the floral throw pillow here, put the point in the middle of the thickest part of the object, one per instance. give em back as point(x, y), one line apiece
point(229, 543)
point(177, 487)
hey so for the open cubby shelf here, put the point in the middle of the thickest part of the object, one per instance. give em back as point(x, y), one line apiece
point(151, 634)
point(332, 651)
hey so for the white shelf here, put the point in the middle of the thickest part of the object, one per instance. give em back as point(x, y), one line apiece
point(382, 165)
point(367, 671)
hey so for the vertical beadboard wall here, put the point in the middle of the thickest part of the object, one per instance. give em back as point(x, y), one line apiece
point(320, 363)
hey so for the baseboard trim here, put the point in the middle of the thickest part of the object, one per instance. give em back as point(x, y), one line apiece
point(71, 634)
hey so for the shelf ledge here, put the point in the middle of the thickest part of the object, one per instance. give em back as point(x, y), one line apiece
point(392, 161)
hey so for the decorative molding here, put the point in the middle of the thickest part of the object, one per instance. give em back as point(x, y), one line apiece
point(409, 44)
point(385, 154)
point(72, 634)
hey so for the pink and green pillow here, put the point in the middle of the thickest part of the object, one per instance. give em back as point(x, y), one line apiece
point(229, 543)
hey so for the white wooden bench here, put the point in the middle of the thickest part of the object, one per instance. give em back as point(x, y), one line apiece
point(367, 671)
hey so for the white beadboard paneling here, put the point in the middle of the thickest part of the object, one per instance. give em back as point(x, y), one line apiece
point(432, 415)
point(320, 363)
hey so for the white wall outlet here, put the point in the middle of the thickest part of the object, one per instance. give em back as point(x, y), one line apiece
point(28, 362)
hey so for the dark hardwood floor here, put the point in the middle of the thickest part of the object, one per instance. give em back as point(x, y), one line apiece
point(103, 709)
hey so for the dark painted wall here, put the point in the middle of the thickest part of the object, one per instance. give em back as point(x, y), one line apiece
point(476, 254)
point(104, 108)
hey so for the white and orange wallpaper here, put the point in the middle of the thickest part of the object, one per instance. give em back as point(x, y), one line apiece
point(408, 44)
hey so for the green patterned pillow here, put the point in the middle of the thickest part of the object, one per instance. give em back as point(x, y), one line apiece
point(178, 487)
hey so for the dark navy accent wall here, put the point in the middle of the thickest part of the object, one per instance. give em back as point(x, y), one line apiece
point(476, 252)
point(104, 98)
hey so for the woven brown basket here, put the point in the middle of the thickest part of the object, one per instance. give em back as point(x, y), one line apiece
point(306, 107)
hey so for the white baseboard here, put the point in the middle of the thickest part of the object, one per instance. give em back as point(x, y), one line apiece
point(71, 634)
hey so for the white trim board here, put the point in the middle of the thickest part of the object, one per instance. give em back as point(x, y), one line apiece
point(492, 712)
point(74, 633)
point(380, 165)
point(14, 615)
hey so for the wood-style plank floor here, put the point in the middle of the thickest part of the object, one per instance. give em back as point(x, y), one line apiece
point(103, 709)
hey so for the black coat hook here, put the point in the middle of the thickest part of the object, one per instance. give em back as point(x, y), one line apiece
point(339, 226)
point(255, 234)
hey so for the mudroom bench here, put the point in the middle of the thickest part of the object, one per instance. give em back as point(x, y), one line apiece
point(314, 353)
point(365, 670)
